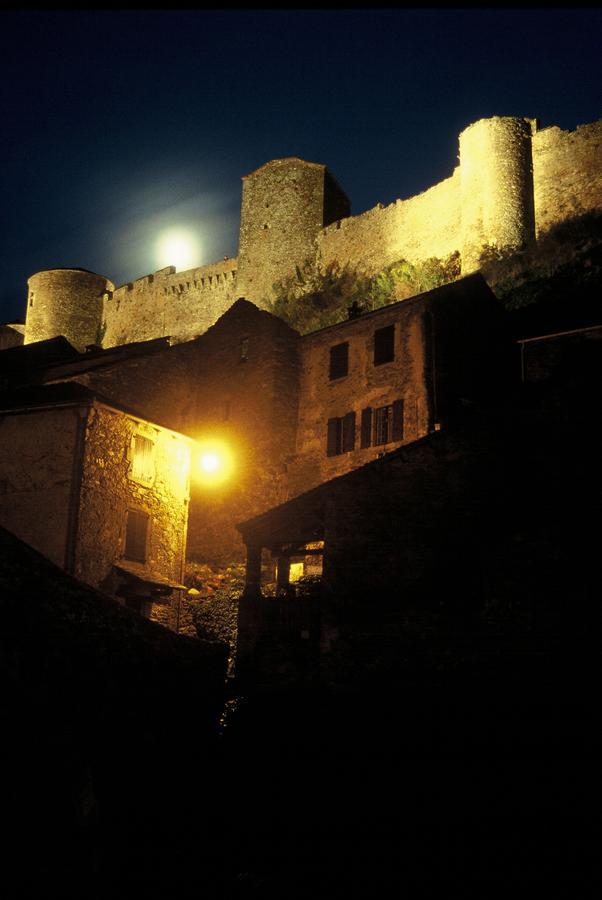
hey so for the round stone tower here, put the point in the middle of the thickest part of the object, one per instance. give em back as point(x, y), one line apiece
point(66, 302)
point(496, 182)
point(285, 203)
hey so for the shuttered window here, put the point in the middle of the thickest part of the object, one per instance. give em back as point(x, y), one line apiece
point(136, 533)
point(143, 458)
point(348, 432)
point(339, 361)
point(340, 435)
point(333, 438)
point(388, 423)
point(384, 345)
point(366, 436)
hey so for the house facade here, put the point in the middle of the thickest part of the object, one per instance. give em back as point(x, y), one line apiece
point(101, 491)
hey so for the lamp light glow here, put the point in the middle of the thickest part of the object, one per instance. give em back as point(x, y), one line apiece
point(215, 462)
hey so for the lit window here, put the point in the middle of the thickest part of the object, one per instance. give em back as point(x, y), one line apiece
point(339, 361)
point(136, 534)
point(143, 458)
point(384, 345)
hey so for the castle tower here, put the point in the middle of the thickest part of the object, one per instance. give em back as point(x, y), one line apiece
point(66, 302)
point(496, 183)
point(285, 203)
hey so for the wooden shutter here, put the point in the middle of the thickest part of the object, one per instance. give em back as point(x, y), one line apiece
point(397, 433)
point(339, 360)
point(366, 437)
point(332, 443)
point(135, 536)
point(349, 432)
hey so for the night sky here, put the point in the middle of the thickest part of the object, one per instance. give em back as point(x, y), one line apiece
point(118, 125)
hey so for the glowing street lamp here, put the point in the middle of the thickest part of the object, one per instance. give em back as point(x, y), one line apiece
point(215, 462)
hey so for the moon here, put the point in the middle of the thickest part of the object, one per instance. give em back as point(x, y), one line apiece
point(178, 247)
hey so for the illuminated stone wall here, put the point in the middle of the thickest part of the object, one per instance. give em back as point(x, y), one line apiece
point(251, 404)
point(285, 204)
point(496, 187)
point(567, 173)
point(423, 226)
point(181, 305)
point(108, 491)
point(65, 302)
point(37, 452)
point(513, 182)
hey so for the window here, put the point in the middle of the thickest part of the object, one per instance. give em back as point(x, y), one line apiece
point(341, 435)
point(383, 421)
point(244, 349)
point(384, 345)
point(143, 458)
point(136, 533)
point(339, 361)
point(382, 425)
point(31, 296)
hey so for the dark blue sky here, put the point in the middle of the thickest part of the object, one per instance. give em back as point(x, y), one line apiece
point(117, 125)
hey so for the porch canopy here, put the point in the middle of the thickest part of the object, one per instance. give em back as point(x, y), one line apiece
point(285, 530)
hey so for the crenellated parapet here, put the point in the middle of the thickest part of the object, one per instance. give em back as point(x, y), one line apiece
point(513, 182)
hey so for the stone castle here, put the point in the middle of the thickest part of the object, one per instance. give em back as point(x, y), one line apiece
point(175, 356)
point(513, 183)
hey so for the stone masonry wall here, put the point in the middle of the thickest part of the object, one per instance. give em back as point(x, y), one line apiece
point(285, 204)
point(108, 490)
point(181, 305)
point(250, 404)
point(567, 173)
point(37, 453)
point(423, 226)
point(366, 385)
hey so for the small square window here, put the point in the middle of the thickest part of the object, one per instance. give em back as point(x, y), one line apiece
point(384, 345)
point(339, 361)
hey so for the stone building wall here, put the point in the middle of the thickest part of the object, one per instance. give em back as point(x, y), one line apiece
point(567, 174)
point(108, 490)
point(181, 305)
point(366, 385)
point(251, 404)
point(38, 454)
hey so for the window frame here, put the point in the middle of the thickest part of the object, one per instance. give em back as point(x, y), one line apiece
point(379, 357)
point(138, 477)
point(335, 362)
point(141, 515)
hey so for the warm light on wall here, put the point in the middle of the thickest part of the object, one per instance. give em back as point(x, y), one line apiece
point(214, 462)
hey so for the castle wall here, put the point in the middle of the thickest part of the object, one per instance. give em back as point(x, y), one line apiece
point(65, 302)
point(496, 187)
point(181, 305)
point(567, 174)
point(37, 453)
point(423, 226)
point(108, 490)
point(285, 204)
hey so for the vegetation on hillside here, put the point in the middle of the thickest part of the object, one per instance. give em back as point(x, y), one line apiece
point(311, 299)
point(566, 258)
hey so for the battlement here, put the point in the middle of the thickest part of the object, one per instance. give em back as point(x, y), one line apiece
point(514, 181)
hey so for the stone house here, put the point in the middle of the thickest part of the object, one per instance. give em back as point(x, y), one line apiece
point(100, 490)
